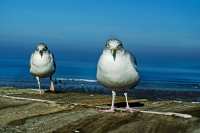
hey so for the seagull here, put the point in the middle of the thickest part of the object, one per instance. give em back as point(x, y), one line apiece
point(42, 65)
point(117, 70)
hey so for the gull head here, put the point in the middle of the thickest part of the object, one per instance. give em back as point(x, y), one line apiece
point(114, 45)
point(41, 48)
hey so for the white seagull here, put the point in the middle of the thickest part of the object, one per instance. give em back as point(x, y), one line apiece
point(117, 70)
point(42, 65)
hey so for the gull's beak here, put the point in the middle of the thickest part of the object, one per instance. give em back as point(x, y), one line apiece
point(41, 53)
point(114, 51)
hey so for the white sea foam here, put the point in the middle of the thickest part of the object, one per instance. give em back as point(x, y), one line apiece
point(75, 79)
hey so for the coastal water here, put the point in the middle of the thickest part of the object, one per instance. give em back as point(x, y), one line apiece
point(78, 72)
point(15, 72)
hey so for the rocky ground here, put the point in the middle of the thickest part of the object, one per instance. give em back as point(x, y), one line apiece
point(24, 110)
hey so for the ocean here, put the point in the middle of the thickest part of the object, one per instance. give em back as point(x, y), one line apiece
point(78, 73)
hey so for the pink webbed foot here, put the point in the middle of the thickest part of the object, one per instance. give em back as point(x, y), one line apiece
point(131, 109)
point(108, 110)
point(41, 92)
point(52, 89)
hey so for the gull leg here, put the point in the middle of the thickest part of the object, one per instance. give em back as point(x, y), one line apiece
point(52, 89)
point(112, 109)
point(38, 80)
point(113, 101)
point(127, 105)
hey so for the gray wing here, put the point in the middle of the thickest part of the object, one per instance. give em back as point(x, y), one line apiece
point(132, 58)
point(53, 58)
point(133, 61)
point(30, 61)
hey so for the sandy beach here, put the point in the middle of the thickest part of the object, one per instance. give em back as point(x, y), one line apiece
point(24, 110)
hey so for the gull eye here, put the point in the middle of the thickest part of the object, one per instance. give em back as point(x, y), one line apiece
point(107, 45)
point(120, 45)
point(45, 48)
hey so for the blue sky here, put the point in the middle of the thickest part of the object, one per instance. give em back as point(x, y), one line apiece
point(167, 28)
